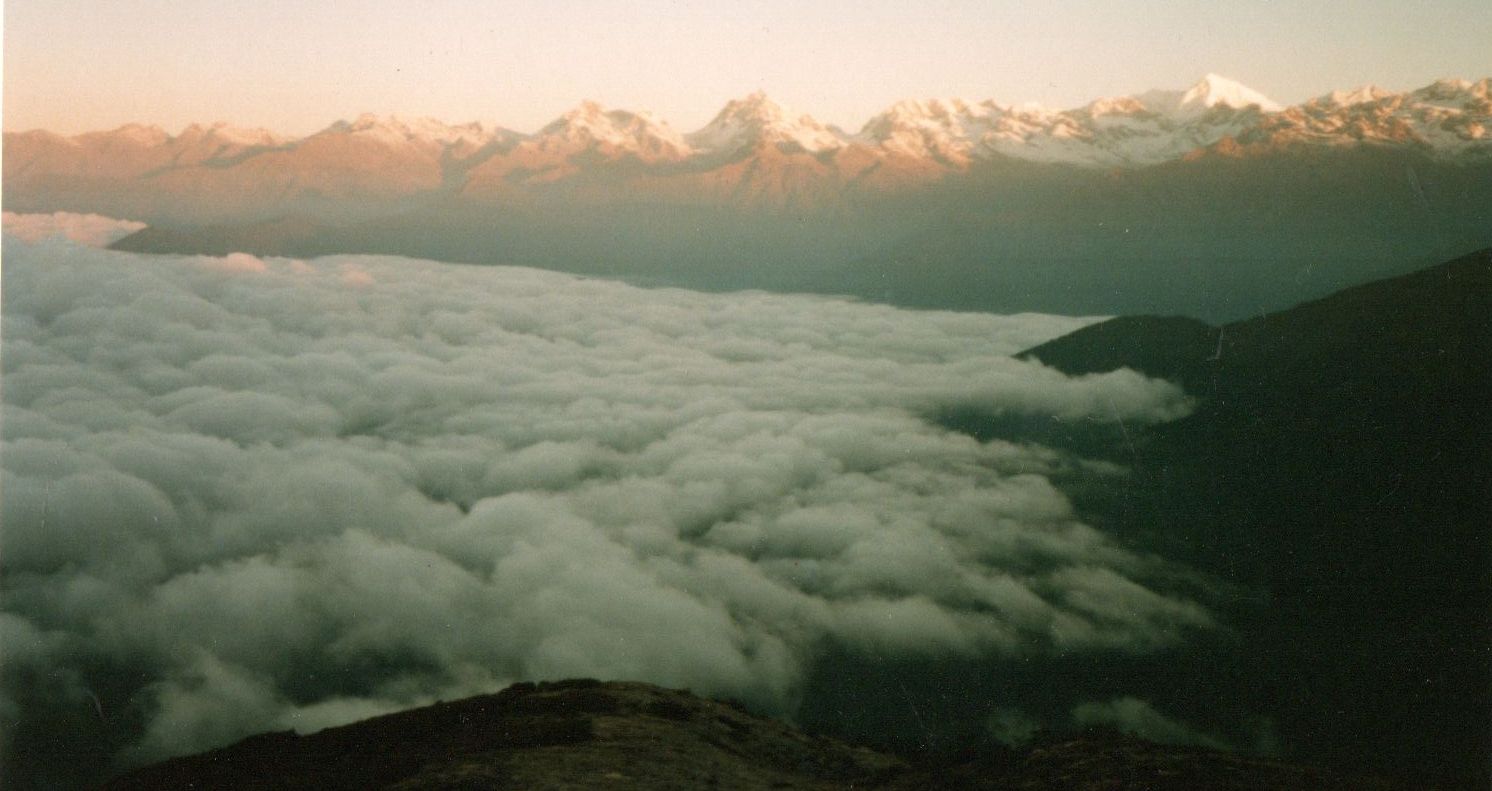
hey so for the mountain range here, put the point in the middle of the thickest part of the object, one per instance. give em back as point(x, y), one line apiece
point(754, 153)
point(1213, 201)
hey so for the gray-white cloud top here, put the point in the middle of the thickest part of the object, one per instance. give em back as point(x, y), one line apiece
point(88, 229)
point(244, 494)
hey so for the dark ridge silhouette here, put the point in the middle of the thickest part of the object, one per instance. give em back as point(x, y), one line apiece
point(1169, 347)
point(569, 734)
point(588, 734)
point(1338, 462)
point(288, 236)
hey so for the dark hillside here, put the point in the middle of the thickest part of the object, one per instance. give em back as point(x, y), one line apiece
point(1339, 460)
point(586, 734)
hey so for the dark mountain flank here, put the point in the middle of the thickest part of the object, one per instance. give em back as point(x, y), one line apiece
point(568, 734)
point(1338, 463)
point(586, 734)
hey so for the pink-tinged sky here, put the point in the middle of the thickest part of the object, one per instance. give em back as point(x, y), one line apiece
point(297, 65)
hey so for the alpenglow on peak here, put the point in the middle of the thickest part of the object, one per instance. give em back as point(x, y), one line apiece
point(1211, 91)
point(757, 119)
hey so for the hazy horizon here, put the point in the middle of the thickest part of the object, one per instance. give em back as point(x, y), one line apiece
point(851, 127)
point(294, 70)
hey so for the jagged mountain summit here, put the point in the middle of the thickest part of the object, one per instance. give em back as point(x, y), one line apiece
point(1209, 92)
point(616, 132)
point(756, 120)
point(1451, 118)
point(424, 132)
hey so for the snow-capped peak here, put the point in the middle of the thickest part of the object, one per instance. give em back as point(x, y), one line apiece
point(590, 123)
point(1453, 92)
point(938, 109)
point(756, 106)
point(947, 129)
point(602, 124)
point(226, 133)
point(1119, 105)
point(949, 115)
point(1211, 91)
point(396, 130)
point(140, 134)
point(1362, 94)
point(1452, 84)
point(757, 119)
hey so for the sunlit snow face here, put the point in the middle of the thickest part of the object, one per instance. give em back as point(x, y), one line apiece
point(244, 494)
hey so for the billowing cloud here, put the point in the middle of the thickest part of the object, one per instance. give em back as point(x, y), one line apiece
point(88, 229)
point(245, 493)
point(1138, 717)
point(1012, 727)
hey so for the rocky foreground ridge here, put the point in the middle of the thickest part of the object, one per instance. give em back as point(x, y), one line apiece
point(621, 735)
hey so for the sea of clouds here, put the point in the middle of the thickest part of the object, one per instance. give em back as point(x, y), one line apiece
point(87, 229)
point(244, 494)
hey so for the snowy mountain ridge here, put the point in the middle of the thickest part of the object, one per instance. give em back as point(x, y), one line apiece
point(754, 152)
point(1209, 92)
point(1449, 116)
point(756, 120)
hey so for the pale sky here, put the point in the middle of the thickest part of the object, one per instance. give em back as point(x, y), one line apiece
point(295, 66)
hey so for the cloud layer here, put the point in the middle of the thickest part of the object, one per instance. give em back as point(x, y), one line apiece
point(243, 494)
point(1135, 716)
point(87, 229)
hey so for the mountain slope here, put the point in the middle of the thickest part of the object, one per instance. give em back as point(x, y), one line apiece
point(569, 734)
point(1215, 237)
point(585, 734)
point(1337, 460)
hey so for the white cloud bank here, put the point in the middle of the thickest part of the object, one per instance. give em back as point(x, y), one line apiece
point(88, 229)
point(1135, 716)
point(243, 494)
